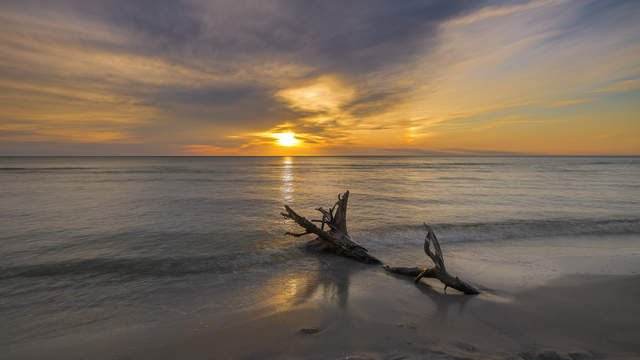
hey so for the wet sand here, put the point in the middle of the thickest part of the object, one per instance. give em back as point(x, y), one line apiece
point(573, 317)
point(360, 312)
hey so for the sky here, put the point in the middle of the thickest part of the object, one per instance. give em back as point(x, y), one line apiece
point(290, 77)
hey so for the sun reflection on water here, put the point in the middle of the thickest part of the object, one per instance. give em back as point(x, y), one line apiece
point(286, 186)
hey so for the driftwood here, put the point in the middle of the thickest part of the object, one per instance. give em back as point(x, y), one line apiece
point(336, 239)
point(439, 271)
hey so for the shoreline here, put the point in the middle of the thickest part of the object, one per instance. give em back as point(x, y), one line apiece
point(555, 298)
point(564, 319)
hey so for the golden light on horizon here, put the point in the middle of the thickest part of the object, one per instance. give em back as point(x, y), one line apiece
point(286, 138)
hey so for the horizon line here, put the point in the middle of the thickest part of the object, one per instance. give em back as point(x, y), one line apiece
point(253, 156)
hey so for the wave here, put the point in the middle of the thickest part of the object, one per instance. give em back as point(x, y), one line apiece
point(465, 178)
point(520, 229)
point(374, 238)
point(42, 168)
point(136, 267)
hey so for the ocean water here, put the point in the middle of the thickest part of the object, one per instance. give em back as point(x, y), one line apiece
point(89, 244)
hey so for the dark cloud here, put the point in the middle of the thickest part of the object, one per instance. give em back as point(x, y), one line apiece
point(207, 95)
point(338, 36)
point(168, 22)
point(247, 104)
point(359, 36)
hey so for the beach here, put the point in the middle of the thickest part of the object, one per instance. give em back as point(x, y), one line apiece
point(279, 179)
point(171, 258)
point(355, 311)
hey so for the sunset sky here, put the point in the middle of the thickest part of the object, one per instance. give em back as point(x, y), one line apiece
point(371, 77)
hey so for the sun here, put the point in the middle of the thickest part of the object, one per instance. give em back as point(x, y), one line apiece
point(286, 139)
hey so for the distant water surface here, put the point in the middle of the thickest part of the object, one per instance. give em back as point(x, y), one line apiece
point(93, 243)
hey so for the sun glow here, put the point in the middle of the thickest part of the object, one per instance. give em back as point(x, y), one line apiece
point(286, 139)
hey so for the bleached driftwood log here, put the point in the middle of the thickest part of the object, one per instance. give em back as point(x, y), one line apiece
point(439, 271)
point(335, 238)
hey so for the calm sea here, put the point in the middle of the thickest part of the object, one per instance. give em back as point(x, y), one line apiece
point(94, 243)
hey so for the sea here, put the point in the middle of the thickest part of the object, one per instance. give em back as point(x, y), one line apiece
point(93, 244)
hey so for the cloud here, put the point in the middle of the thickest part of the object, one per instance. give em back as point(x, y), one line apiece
point(620, 86)
point(324, 95)
point(476, 152)
point(355, 36)
point(210, 150)
point(208, 77)
point(570, 102)
point(172, 66)
point(494, 11)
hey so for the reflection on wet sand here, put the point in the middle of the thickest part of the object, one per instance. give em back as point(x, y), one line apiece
point(331, 281)
point(328, 284)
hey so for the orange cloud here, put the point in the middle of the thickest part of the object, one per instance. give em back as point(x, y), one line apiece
point(570, 102)
point(621, 86)
point(210, 150)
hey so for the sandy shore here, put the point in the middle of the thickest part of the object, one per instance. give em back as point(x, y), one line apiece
point(573, 317)
point(360, 312)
